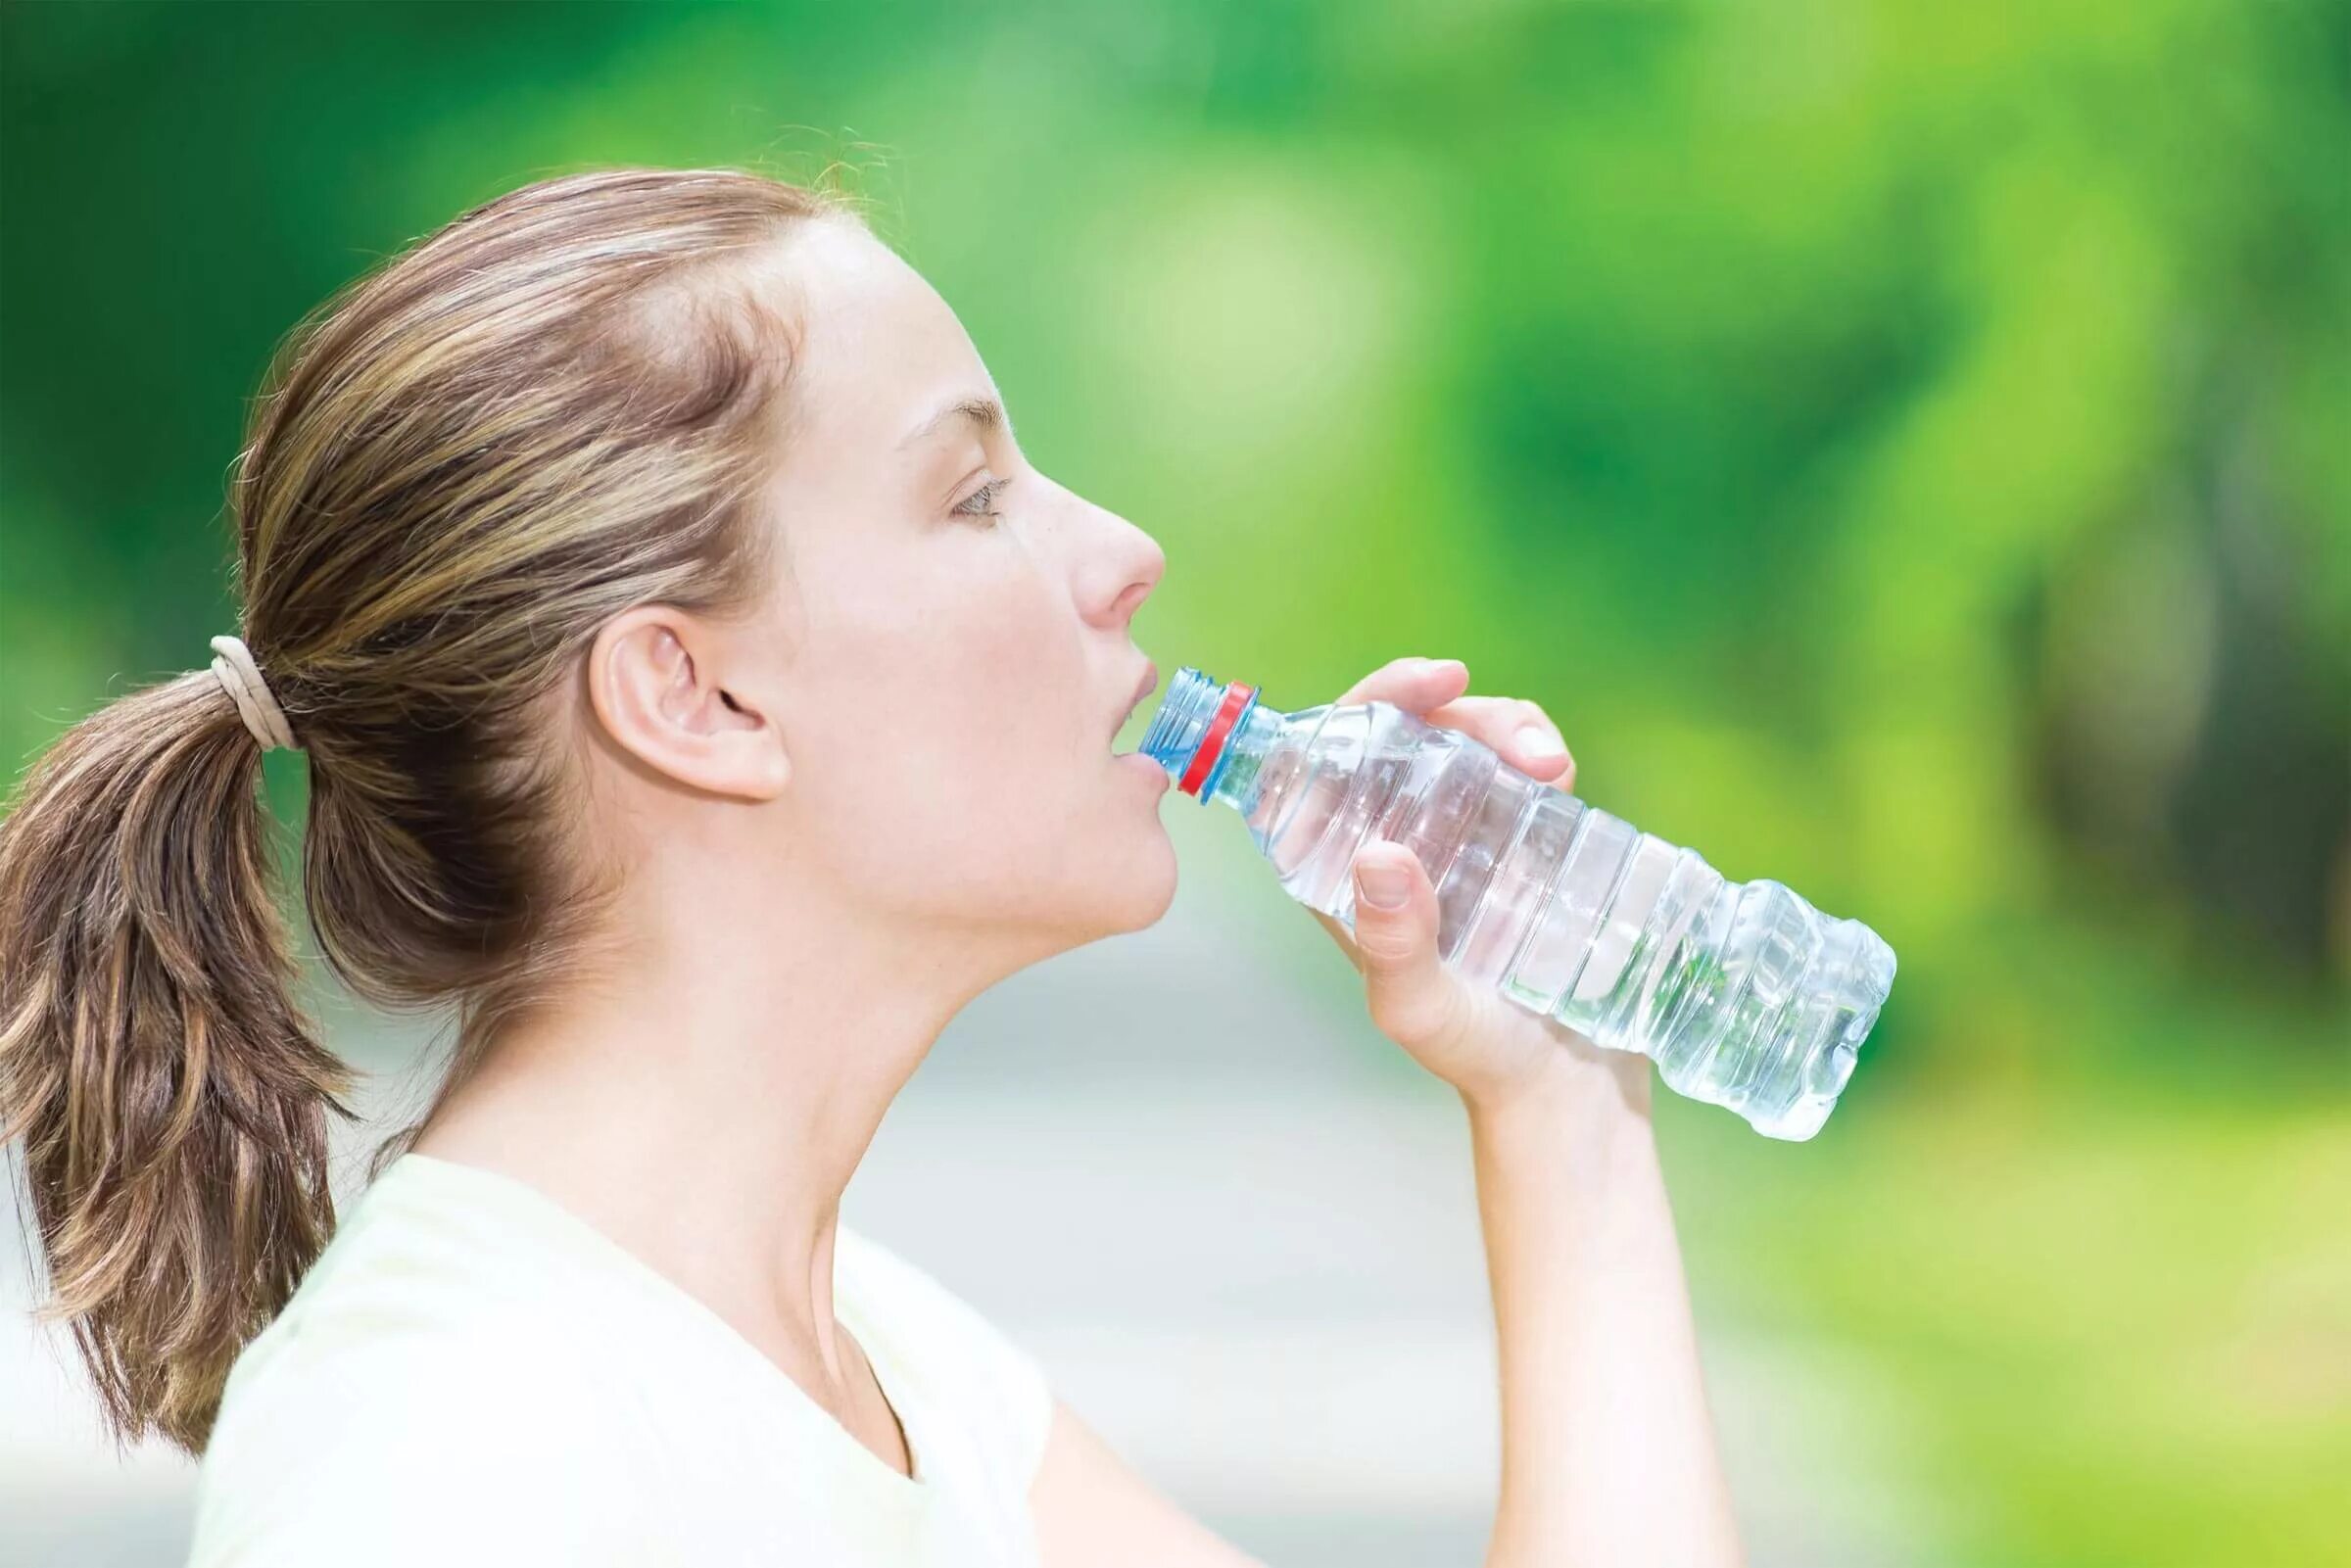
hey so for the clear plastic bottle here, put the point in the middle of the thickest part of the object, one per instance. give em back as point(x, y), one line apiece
point(1745, 995)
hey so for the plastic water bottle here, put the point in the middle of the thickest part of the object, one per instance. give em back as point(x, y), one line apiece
point(1745, 995)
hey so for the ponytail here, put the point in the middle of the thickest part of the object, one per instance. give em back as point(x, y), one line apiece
point(458, 470)
point(171, 1094)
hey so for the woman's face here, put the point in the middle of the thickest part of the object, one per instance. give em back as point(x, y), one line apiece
point(955, 653)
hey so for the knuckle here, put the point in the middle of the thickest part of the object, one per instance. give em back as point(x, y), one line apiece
point(1385, 944)
point(1419, 1015)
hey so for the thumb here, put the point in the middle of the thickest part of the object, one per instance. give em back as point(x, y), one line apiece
point(1411, 998)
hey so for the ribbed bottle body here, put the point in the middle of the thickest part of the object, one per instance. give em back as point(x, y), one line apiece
point(1743, 994)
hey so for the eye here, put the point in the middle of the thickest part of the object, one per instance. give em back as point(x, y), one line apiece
point(978, 502)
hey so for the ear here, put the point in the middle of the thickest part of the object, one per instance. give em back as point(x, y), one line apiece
point(654, 681)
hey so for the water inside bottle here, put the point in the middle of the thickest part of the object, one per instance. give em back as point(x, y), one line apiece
point(1743, 994)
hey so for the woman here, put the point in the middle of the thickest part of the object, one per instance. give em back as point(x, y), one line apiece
point(705, 699)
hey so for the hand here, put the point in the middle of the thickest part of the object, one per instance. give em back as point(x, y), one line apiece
point(1489, 1048)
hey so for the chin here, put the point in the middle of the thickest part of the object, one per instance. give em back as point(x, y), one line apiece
point(1145, 888)
point(1160, 885)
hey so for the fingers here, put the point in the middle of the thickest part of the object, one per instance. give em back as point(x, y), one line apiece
point(1413, 999)
point(1519, 730)
point(1415, 684)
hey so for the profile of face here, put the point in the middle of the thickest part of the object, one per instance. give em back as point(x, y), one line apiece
point(917, 726)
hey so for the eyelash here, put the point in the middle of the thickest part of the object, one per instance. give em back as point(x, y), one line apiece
point(985, 495)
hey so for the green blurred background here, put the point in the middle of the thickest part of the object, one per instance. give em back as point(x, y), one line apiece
point(1907, 447)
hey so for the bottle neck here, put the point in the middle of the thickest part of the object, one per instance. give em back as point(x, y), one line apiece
point(1212, 737)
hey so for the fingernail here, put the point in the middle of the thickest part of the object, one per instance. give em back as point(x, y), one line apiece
point(1537, 742)
point(1382, 886)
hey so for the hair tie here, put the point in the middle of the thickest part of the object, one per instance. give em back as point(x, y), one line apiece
point(255, 705)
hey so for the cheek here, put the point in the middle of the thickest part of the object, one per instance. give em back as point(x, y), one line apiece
point(936, 734)
point(970, 687)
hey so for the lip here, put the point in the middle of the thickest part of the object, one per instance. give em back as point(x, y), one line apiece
point(1143, 690)
point(1157, 774)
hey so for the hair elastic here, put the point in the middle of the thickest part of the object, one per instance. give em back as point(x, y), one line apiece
point(242, 678)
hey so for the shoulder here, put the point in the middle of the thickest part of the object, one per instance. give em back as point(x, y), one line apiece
point(484, 1445)
point(959, 1359)
point(413, 1404)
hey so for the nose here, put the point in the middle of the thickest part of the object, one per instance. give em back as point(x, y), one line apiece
point(1131, 596)
point(1130, 565)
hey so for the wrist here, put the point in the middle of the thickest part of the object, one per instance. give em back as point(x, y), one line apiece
point(1582, 1093)
point(1581, 1150)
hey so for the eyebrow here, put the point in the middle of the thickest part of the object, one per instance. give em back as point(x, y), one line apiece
point(986, 415)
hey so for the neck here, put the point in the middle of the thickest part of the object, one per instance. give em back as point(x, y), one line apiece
point(706, 1103)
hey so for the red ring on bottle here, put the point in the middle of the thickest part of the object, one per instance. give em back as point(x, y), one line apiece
point(1212, 742)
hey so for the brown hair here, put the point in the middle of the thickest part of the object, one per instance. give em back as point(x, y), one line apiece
point(557, 406)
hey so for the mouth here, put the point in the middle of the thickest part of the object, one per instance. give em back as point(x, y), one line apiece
point(1143, 690)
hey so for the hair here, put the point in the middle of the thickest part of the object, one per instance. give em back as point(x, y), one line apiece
point(563, 403)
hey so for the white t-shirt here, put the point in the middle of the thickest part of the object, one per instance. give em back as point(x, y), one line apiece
point(470, 1375)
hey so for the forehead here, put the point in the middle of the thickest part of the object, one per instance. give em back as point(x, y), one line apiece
point(878, 347)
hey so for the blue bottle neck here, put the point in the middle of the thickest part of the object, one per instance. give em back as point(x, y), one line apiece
point(1179, 732)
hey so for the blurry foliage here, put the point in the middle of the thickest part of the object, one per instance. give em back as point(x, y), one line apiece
point(1909, 447)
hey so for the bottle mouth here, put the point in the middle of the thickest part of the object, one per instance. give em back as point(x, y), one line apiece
point(1190, 734)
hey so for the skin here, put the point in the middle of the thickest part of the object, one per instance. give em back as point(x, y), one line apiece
point(846, 815)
